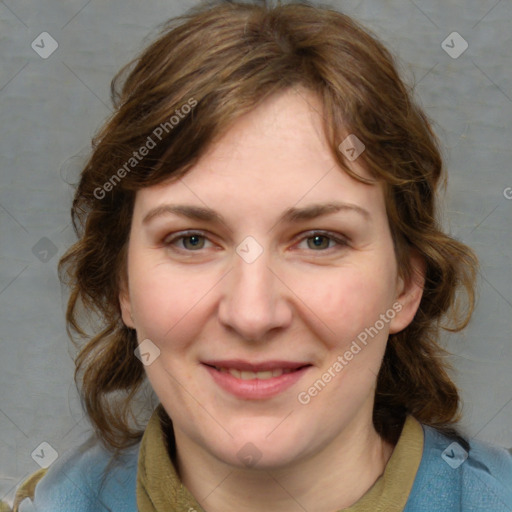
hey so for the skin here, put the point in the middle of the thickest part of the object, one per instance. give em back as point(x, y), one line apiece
point(296, 301)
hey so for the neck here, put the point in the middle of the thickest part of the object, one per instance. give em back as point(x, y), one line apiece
point(324, 482)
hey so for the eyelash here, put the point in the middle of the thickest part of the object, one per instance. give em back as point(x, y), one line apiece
point(339, 240)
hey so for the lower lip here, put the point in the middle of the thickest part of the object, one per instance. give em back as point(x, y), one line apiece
point(255, 389)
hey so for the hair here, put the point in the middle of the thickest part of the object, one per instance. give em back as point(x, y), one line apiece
point(225, 58)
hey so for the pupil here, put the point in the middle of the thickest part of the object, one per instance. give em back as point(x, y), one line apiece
point(193, 240)
point(319, 241)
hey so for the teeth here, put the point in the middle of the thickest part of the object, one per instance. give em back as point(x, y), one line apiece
point(235, 373)
point(245, 375)
point(248, 375)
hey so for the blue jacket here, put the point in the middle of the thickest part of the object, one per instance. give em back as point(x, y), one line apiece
point(446, 481)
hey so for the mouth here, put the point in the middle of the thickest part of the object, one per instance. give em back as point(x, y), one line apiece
point(255, 380)
point(249, 375)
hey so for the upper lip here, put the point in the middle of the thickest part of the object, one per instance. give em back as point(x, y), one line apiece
point(239, 364)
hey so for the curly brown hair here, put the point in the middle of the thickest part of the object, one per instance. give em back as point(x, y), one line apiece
point(225, 58)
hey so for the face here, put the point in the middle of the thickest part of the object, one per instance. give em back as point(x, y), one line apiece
point(267, 279)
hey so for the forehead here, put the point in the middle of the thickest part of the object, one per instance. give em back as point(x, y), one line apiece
point(275, 156)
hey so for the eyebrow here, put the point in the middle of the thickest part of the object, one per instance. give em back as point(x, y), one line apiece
point(290, 215)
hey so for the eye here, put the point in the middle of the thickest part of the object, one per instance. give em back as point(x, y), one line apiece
point(320, 241)
point(187, 241)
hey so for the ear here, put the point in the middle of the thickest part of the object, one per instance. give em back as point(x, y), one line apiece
point(409, 294)
point(126, 306)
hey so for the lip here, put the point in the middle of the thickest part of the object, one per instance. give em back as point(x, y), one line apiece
point(240, 364)
point(255, 389)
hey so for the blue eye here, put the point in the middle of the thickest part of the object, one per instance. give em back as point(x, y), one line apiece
point(190, 241)
point(320, 241)
point(317, 241)
point(196, 241)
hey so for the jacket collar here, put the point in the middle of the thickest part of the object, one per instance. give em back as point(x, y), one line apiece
point(159, 488)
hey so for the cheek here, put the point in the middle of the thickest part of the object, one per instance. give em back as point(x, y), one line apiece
point(343, 302)
point(166, 302)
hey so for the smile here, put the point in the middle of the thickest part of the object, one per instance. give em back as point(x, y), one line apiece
point(248, 375)
point(250, 381)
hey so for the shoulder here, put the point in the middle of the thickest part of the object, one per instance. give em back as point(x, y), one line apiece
point(461, 475)
point(88, 478)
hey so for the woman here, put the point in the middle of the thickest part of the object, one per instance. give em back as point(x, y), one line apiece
point(258, 236)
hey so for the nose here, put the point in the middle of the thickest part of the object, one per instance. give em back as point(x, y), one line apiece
point(255, 300)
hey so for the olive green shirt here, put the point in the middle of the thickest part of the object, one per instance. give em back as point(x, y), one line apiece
point(159, 488)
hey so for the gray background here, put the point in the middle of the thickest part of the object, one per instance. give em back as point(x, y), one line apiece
point(50, 109)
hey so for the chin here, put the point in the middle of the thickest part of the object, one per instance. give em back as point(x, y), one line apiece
point(257, 449)
point(252, 457)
